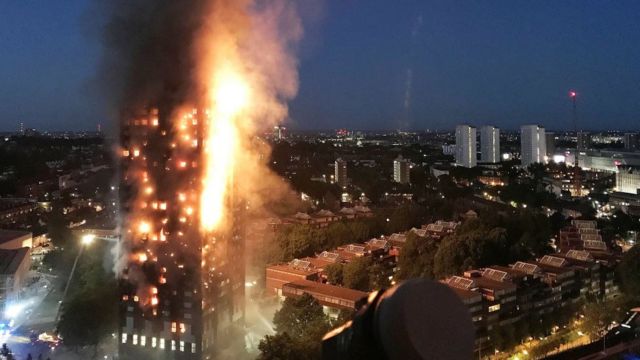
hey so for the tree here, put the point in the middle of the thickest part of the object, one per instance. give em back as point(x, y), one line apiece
point(475, 244)
point(404, 217)
point(379, 276)
point(629, 271)
point(300, 325)
point(356, 274)
point(88, 318)
point(416, 258)
point(303, 318)
point(89, 313)
point(334, 273)
point(57, 225)
point(596, 316)
point(281, 347)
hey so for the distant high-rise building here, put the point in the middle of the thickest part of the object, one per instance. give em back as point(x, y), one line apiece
point(341, 172)
point(466, 146)
point(533, 144)
point(583, 140)
point(489, 144)
point(449, 149)
point(631, 142)
point(550, 142)
point(628, 181)
point(21, 128)
point(401, 170)
point(279, 132)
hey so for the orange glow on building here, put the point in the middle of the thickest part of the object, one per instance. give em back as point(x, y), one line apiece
point(229, 96)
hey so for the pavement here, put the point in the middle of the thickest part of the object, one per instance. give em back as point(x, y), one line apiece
point(38, 315)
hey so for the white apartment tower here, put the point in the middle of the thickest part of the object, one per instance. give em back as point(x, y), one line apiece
point(401, 170)
point(533, 144)
point(489, 144)
point(341, 172)
point(466, 146)
point(628, 181)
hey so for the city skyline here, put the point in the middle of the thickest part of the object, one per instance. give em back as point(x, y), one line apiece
point(167, 190)
point(451, 66)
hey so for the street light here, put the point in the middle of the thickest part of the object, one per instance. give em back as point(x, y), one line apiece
point(85, 241)
point(88, 239)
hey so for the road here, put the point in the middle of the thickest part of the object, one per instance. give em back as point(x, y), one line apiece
point(38, 316)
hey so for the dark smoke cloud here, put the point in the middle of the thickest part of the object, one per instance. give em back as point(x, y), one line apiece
point(148, 51)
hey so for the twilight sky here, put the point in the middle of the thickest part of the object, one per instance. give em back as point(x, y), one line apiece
point(374, 64)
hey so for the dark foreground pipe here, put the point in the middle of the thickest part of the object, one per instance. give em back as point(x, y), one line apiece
point(418, 319)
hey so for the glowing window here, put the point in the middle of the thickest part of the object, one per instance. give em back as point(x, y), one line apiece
point(124, 338)
point(173, 345)
point(135, 339)
point(193, 348)
point(495, 307)
point(161, 343)
point(154, 342)
point(183, 329)
point(143, 340)
point(181, 345)
point(174, 327)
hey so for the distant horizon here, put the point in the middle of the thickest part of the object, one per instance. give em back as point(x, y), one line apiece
point(387, 130)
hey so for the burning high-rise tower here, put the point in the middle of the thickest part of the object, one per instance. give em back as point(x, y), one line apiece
point(200, 80)
point(182, 288)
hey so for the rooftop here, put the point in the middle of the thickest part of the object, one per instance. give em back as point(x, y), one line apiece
point(313, 287)
point(10, 260)
point(9, 235)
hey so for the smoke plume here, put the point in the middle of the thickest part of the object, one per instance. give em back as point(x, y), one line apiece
point(234, 61)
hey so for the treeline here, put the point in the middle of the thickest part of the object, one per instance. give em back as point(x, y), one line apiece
point(300, 325)
point(300, 240)
point(491, 239)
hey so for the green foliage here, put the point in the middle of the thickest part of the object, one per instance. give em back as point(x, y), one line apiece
point(629, 272)
point(89, 316)
point(356, 273)
point(491, 239)
point(416, 258)
point(90, 313)
point(596, 316)
point(343, 316)
point(474, 244)
point(301, 240)
point(379, 276)
point(303, 318)
point(334, 273)
point(282, 347)
point(300, 325)
point(404, 218)
point(57, 226)
point(503, 337)
point(619, 225)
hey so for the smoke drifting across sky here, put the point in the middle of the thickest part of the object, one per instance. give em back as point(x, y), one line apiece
point(234, 58)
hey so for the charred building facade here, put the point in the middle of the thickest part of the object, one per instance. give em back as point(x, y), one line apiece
point(182, 288)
